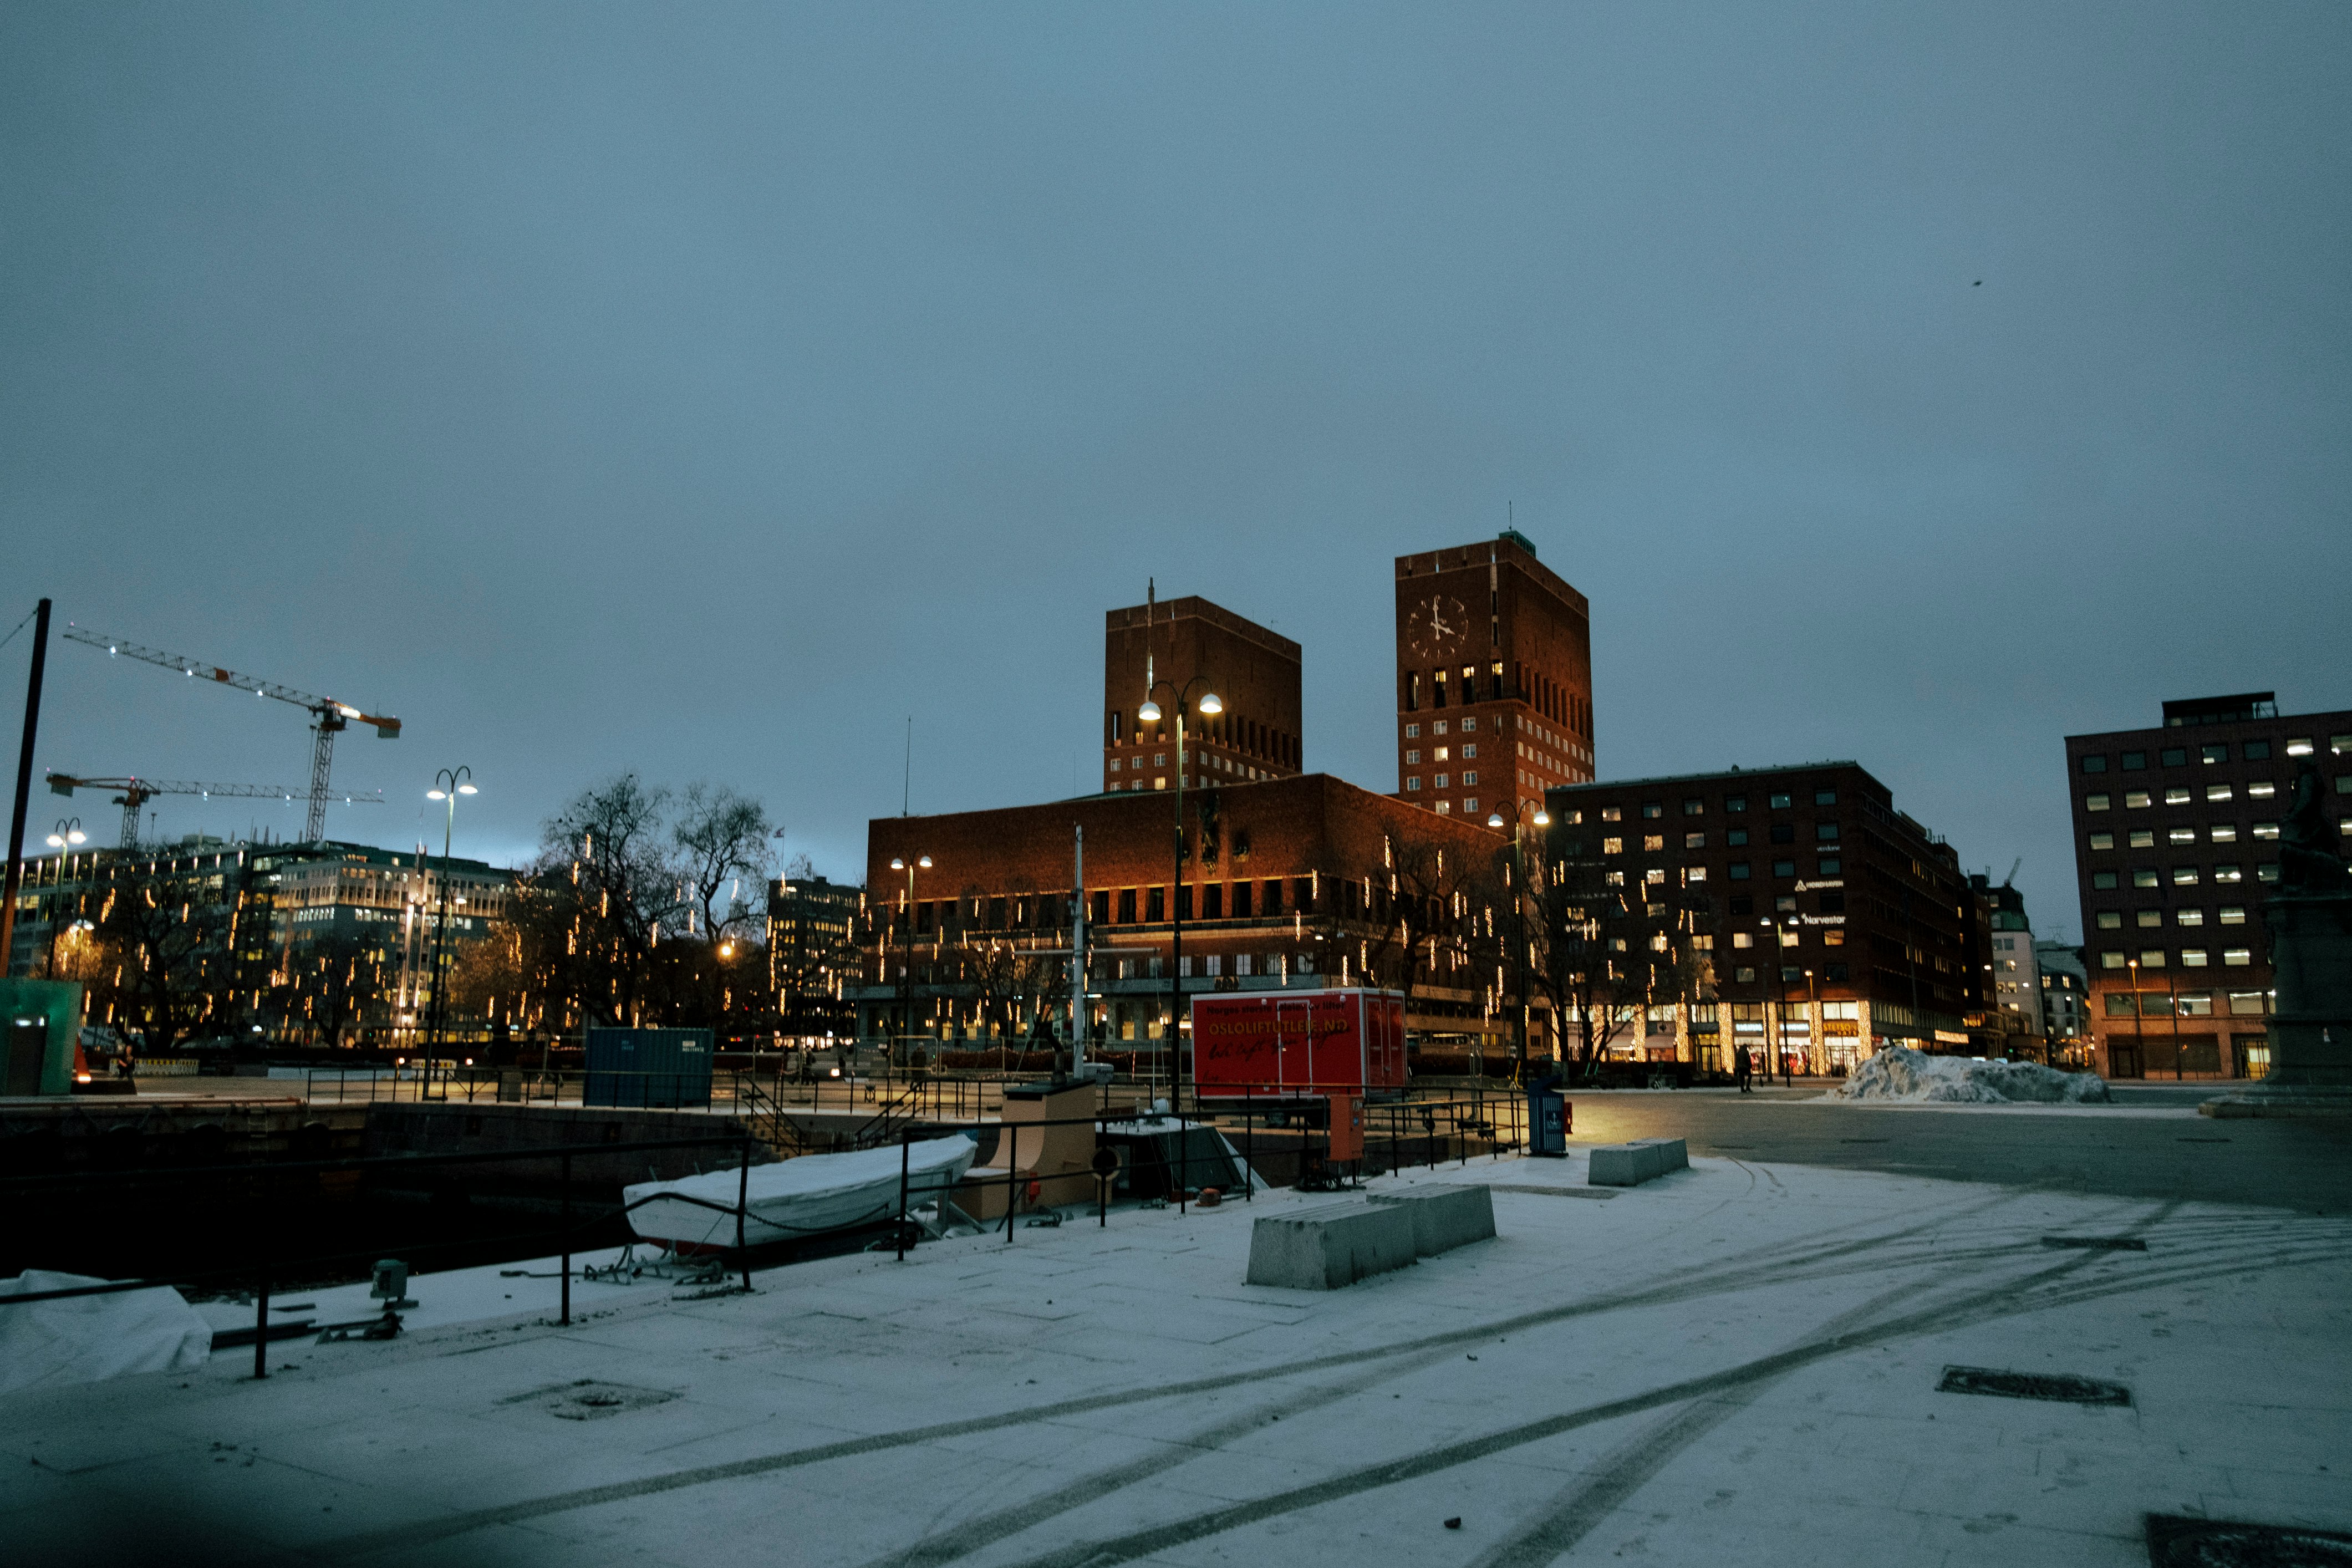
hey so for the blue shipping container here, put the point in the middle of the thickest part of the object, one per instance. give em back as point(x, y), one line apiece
point(664, 1068)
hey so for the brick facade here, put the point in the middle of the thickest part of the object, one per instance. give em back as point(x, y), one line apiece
point(1253, 671)
point(1494, 679)
point(1295, 886)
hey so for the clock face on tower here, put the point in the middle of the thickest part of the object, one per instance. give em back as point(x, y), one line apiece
point(1436, 627)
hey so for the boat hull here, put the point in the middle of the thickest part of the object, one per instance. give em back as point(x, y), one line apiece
point(794, 1199)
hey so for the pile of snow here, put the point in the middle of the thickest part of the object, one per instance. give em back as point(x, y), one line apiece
point(1899, 1072)
point(82, 1339)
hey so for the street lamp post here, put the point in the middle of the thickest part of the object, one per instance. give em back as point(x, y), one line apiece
point(1815, 1037)
point(2140, 1055)
point(447, 785)
point(67, 836)
point(1780, 980)
point(1520, 819)
point(1211, 705)
point(907, 953)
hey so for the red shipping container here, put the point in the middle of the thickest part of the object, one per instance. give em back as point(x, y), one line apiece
point(1298, 1044)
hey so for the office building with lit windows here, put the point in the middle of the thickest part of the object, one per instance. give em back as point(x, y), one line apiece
point(1830, 921)
point(1494, 679)
point(2176, 846)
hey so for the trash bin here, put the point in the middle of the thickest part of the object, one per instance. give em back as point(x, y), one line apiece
point(1548, 1114)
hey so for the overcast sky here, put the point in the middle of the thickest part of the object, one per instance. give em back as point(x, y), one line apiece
point(706, 390)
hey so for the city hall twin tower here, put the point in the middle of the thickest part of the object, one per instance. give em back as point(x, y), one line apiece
point(1288, 877)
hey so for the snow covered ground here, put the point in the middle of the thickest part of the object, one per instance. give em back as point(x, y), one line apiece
point(1735, 1363)
point(1900, 1073)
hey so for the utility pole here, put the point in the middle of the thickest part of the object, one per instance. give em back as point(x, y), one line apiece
point(15, 877)
point(1078, 958)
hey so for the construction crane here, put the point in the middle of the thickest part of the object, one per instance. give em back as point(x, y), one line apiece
point(327, 715)
point(138, 791)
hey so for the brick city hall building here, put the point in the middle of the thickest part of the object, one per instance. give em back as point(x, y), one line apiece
point(1494, 679)
point(1290, 879)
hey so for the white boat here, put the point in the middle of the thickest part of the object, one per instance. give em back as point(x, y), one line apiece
point(792, 1198)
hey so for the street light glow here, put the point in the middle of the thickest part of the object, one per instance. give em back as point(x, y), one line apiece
point(1543, 817)
point(434, 794)
point(1149, 712)
point(468, 789)
point(1212, 704)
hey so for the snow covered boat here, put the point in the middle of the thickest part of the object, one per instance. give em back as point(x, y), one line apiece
point(792, 1198)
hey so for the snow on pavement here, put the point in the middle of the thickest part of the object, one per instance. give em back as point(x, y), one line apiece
point(1738, 1361)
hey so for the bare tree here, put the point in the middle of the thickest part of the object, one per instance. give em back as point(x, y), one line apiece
point(1588, 955)
point(175, 952)
point(722, 842)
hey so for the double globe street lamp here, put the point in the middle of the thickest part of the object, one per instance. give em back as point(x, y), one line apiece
point(907, 952)
point(1211, 705)
point(447, 785)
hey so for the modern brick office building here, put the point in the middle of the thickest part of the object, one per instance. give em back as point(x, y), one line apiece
point(1255, 673)
point(1295, 885)
point(1834, 922)
point(1493, 678)
point(2176, 846)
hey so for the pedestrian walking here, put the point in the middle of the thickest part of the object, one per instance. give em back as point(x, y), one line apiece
point(1743, 1071)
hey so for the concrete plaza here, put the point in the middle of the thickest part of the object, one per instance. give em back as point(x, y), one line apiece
point(1739, 1362)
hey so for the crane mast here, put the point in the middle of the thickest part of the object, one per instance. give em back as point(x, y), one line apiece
point(328, 715)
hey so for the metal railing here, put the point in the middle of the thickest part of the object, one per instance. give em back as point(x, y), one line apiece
point(260, 1275)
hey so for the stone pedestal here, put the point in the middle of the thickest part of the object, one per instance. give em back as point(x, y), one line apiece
point(2311, 1018)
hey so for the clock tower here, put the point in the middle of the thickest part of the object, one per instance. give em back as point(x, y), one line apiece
point(1494, 679)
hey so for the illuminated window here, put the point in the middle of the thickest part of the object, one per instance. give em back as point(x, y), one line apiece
point(1694, 840)
point(2103, 841)
point(2175, 796)
point(2111, 919)
point(1613, 846)
point(1611, 814)
point(2142, 839)
point(2237, 957)
point(2148, 919)
point(2096, 802)
point(2231, 914)
point(2217, 792)
point(2262, 789)
point(2180, 835)
point(1653, 842)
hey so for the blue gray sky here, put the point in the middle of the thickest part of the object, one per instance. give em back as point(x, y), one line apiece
point(706, 390)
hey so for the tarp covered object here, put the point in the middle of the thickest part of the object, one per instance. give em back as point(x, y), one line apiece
point(82, 1339)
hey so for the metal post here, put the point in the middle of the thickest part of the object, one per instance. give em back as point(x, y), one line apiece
point(1011, 1176)
point(742, 1209)
point(261, 1328)
point(15, 873)
point(566, 1319)
point(1184, 1162)
point(1249, 1149)
point(906, 1146)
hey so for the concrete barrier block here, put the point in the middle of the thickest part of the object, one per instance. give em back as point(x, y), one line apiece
point(1330, 1246)
point(1444, 1218)
point(1673, 1154)
point(1630, 1165)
